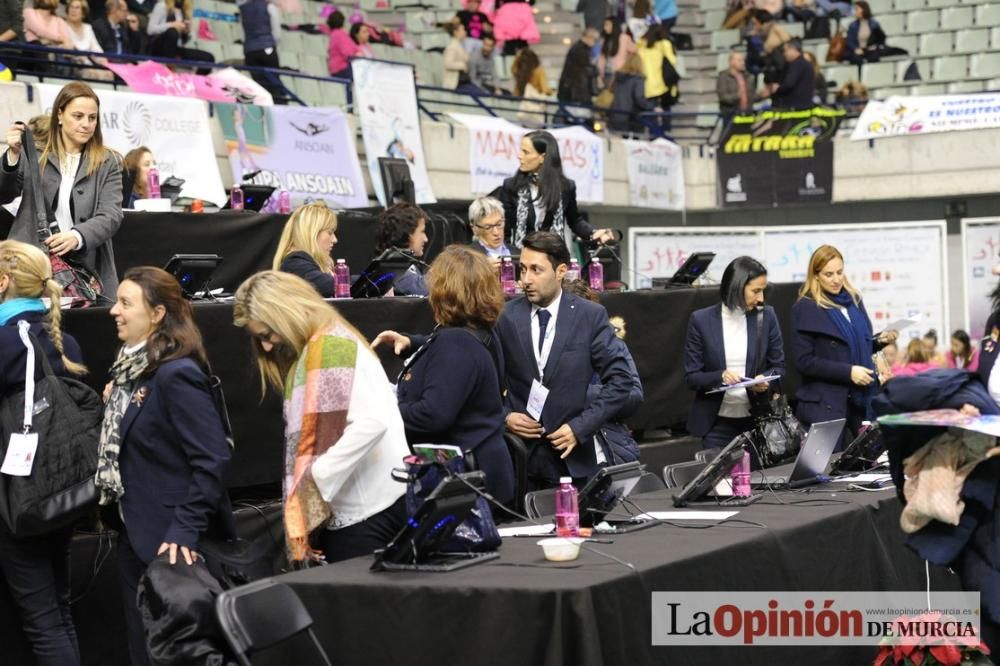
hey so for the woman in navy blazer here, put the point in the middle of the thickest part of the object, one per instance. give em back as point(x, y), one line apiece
point(36, 569)
point(719, 417)
point(164, 454)
point(305, 246)
point(833, 344)
point(450, 390)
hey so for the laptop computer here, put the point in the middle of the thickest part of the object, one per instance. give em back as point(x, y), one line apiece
point(817, 447)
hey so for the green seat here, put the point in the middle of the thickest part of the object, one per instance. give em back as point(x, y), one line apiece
point(921, 22)
point(936, 43)
point(972, 41)
point(988, 15)
point(956, 18)
point(949, 68)
point(984, 65)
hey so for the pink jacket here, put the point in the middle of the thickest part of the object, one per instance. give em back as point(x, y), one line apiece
point(342, 48)
point(515, 20)
point(973, 362)
point(910, 369)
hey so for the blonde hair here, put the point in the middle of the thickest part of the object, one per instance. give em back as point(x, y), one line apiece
point(915, 352)
point(95, 149)
point(185, 6)
point(301, 232)
point(632, 65)
point(811, 288)
point(30, 274)
point(290, 307)
point(464, 289)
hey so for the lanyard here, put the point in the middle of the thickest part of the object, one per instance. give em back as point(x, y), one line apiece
point(29, 375)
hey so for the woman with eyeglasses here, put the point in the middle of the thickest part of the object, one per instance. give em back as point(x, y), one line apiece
point(486, 220)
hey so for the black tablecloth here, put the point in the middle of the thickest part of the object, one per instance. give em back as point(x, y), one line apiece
point(521, 609)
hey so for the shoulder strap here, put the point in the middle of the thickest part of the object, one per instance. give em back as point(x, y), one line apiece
point(33, 349)
point(33, 186)
point(486, 338)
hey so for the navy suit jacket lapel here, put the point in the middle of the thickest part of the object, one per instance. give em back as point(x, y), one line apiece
point(565, 323)
point(522, 319)
point(132, 411)
point(752, 343)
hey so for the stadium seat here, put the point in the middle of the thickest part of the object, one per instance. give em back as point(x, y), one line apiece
point(949, 68)
point(906, 42)
point(929, 89)
point(880, 7)
point(722, 61)
point(942, 3)
point(215, 48)
point(314, 65)
point(908, 5)
point(936, 43)
point(723, 40)
point(923, 66)
point(966, 87)
point(821, 50)
point(972, 41)
point(985, 65)
point(920, 22)
point(988, 15)
point(291, 40)
point(333, 94)
point(995, 38)
point(795, 29)
point(841, 74)
point(714, 19)
point(892, 24)
point(878, 74)
point(956, 18)
point(713, 4)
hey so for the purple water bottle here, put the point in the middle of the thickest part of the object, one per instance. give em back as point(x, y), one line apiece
point(507, 278)
point(236, 198)
point(284, 202)
point(596, 275)
point(567, 509)
point(740, 475)
point(153, 183)
point(342, 279)
point(574, 270)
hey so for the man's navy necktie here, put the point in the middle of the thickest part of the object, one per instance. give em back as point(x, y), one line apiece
point(543, 322)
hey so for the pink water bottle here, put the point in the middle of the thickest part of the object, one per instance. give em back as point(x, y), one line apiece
point(284, 202)
point(236, 198)
point(153, 183)
point(567, 509)
point(596, 275)
point(574, 271)
point(507, 277)
point(740, 475)
point(341, 279)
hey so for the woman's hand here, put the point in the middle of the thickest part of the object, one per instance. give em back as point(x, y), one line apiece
point(759, 388)
point(603, 236)
point(189, 555)
point(495, 262)
point(107, 391)
point(862, 376)
point(730, 377)
point(969, 410)
point(14, 133)
point(62, 243)
point(400, 343)
point(888, 337)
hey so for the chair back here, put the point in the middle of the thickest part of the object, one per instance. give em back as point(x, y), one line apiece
point(519, 457)
point(679, 475)
point(648, 483)
point(540, 503)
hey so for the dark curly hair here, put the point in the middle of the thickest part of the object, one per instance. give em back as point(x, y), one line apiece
point(395, 226)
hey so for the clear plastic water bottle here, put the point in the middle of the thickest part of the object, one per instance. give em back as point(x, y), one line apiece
point(567, 509)
point(341, 279)
point(596, 275)
point(507, 276)
point(574, 270)
point(740, 476)
point(284, 202)
point(236, 198)
point(153, 183)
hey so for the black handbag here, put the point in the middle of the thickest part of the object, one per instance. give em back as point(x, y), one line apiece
point(777, 433)
point(618, 444)
point(67, 419)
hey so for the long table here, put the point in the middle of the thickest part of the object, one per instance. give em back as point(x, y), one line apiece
point(656, 322)
point(521, 609)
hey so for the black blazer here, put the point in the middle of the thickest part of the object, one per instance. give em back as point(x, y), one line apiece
point(582, 348)
point(105, 34)
point(13, 354)
point(705, 360)
point(173, 461)
point(507, 194)
point(450, 394)
point(301, 264)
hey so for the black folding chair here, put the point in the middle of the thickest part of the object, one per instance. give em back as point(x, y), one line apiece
point(679, 475)
point(540, 503)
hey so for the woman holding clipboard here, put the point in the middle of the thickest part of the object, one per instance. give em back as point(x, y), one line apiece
point(728, 343)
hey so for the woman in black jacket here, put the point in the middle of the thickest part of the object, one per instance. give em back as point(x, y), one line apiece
point(37, 568)
point(539, 197)
point(465, 408)
point(630, 97)
point(305, 246)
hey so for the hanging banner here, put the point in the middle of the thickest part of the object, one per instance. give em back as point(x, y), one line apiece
point(655, 174)
point(778, 157)
point(176, 130)
point(980, 253)
point(386, 99)
point(308, 151)
point(224, 85)
point(910, 116)
point(494, 144)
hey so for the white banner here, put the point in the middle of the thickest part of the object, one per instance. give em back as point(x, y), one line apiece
point(980, 253)
point(900, 268)
point(494, 144)
point(655, 174)
point(175, 129)
point(386, 99)
point(657, 252)
point(907, 116)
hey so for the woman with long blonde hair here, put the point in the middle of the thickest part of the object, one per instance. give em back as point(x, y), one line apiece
point(833, 343)
point(343, 431)
point(79, 173)
point(305, 246)
point(36, 569)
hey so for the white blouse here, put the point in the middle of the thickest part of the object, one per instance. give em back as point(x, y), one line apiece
point(735, 403)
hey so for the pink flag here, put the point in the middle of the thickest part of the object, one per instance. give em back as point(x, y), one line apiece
point(225, 85)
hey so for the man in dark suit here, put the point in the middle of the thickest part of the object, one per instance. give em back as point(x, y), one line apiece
point(798, 82)
point(111, 31)
point(555, 344)
point(577, 79)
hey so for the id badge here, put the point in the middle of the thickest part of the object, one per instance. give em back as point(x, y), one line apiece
point(20, 454)
point(536, 400)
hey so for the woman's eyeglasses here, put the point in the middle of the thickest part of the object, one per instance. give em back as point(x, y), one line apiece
point(490, 227)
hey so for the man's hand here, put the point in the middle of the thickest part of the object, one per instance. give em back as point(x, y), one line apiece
point(563, 440)
point(62, 243)
point(523, 425)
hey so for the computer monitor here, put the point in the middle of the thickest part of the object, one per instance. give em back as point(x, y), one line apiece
point(862, 454)
point(379, 276)
point(693, 268)
point(713, 472)
point(396, 181)
point(605, 491)
point(254, 196)
point(193, 271)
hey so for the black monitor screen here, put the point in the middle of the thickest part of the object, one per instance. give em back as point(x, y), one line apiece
point(396, 181)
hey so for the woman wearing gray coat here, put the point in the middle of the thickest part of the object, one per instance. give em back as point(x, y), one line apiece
point(82, 180)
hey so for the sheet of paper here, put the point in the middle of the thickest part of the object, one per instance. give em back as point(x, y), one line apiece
point(689, 515)
point(988, 424)
point(900, 324)
point(526, 530)
point(749, 382)
point(863, 478)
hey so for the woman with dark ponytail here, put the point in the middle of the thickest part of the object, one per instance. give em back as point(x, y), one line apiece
point(37, 568)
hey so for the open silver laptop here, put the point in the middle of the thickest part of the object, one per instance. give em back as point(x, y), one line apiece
point(814, 456)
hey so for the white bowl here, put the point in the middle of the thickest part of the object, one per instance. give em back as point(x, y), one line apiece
point(561, 549)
